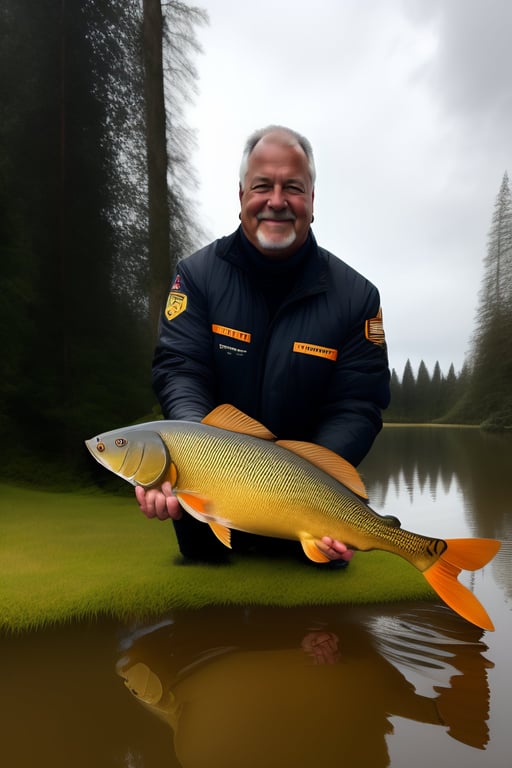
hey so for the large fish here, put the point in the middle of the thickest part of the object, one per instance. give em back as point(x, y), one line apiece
point(229, 471)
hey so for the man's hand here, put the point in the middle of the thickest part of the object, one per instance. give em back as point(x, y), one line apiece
point(335, 550)
point(322, 647)
point(158, 502)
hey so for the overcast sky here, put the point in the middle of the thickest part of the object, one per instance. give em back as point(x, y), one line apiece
point(408, 105)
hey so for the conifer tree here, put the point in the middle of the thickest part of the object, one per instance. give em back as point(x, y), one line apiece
point(408, 392)
point(74, 272)
point(491, 356)
point(422, 399)
point(394, 412)
point(435, 409)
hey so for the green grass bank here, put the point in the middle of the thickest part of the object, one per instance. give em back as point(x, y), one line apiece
point(73, 556)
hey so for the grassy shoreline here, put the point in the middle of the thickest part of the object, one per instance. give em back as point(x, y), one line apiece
point(74, 556)
point(434, 425)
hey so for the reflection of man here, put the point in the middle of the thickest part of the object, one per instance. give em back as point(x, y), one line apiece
point(269, 697)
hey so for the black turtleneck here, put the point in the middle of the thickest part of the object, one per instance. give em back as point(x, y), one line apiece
point(276, 278)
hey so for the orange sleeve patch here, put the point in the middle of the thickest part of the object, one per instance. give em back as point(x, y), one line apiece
point(374, 329)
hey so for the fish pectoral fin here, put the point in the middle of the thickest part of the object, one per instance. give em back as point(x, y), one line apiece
point(222, 532)
point(202, 508)
point(173, 475)
point(196, 505)
point(329, 462)
point(311, 550)
point(230, 418)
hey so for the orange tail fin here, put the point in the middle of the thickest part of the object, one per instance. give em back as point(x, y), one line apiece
point(467, 554)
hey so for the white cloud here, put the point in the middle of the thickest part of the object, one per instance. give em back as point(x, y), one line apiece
point(408, 106)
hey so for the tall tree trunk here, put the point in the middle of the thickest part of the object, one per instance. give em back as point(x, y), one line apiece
point(158, 205)
point(64, 281)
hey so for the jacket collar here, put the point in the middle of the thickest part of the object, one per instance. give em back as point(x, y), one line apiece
point(314, 277)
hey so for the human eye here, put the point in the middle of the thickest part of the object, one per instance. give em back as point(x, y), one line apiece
point(295, 187)
point(260, 186)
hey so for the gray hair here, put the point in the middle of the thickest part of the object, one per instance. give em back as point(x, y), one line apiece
point(294, 138)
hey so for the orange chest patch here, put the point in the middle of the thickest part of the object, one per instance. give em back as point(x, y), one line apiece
point(315, 350)
point(232, 333)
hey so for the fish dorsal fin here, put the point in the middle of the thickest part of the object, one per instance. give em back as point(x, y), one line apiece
point(329, 462)
point(230, 418)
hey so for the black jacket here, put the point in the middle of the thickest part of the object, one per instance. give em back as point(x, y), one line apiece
point(315, 369)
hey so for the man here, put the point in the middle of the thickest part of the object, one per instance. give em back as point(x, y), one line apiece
point(268, 321)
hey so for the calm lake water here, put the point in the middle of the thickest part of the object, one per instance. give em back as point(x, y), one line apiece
point(408, 684)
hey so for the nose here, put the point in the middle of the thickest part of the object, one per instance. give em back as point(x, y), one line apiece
point(277, 198)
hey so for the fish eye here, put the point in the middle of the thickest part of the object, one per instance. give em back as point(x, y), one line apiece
point(100, 447)
point(121, 442)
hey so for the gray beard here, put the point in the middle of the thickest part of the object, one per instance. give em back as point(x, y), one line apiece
point(272, 245)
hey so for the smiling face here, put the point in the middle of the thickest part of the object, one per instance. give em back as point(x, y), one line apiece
point(277, 198)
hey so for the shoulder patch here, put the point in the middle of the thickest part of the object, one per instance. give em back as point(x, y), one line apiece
point(176, 286)
point(374, 329)
point(176, 304)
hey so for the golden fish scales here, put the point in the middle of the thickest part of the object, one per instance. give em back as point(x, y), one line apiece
point(282, 492)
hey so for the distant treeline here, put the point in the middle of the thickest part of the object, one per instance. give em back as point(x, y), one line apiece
point(482, 392)
point(425, 397)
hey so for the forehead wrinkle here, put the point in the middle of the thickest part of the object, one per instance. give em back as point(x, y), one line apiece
point(270, 177)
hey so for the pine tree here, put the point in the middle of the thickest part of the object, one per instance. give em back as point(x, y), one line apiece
point(408, 392)
point(422, 398)
point(393, 413)
point(75, 264)
point(491, 348)
point(449, 392)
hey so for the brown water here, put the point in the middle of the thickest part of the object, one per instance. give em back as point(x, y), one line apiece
point(409, 684)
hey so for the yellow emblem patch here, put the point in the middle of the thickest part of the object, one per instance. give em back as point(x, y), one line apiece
point(374, 329)
point(176, 304)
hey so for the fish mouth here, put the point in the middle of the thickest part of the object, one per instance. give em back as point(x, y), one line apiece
point(92, 444)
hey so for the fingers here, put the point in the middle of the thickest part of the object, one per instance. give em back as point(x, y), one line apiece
point(158, 502)
point(322, 647)
point(335, 550)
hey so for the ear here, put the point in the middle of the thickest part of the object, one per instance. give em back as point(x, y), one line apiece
point(240, 192)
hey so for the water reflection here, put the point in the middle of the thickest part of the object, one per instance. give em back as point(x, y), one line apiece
point(274, 687)
point(430, 473)
point(293, 687)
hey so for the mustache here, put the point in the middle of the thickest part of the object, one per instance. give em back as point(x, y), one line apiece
point(285, 216)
